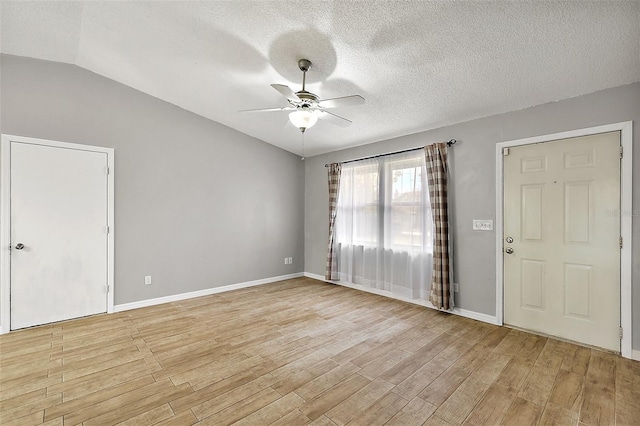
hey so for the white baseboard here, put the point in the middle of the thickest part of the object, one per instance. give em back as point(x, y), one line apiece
point(199, 293)
point(478, 316)
point(635, 354)
point(317, 277)
point(457, 311)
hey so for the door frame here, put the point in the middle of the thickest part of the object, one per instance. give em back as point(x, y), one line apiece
point(5, 218)
point(626, 220)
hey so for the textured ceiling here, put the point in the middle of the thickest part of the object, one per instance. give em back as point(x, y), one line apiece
point(419, 64)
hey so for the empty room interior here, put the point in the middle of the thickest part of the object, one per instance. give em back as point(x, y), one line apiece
point(327, 213)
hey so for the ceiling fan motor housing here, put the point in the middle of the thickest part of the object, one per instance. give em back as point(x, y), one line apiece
point(308, 99)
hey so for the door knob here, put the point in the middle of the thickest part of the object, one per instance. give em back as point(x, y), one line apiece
point(19, 246)
point(509, 240)
point(509, 250)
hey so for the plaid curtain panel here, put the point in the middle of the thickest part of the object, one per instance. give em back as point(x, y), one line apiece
point(437, 169)
point(335, 169)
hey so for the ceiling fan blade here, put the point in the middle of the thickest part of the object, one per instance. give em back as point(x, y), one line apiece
point(334, 119)
point(343, 101)
point(286, 92)
point(287, 108)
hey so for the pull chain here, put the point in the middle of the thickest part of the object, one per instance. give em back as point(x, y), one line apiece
point(302, 146)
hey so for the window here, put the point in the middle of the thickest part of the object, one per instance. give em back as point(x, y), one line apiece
point(359, 193)
point(383, 224)
point(405, 214)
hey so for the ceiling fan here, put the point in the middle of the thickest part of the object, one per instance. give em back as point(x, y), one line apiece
point(307, 107)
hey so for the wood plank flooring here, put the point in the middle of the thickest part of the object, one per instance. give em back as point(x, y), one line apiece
point(303, 352)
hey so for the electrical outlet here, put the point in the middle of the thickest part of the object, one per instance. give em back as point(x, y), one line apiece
point(456, 287)
point(286, 260)
point(290, 260)
point(482, 225)
point(147, 280)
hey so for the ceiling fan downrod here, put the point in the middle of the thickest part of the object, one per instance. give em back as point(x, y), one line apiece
point(304, 65)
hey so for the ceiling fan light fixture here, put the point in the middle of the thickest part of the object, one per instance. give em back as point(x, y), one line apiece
point(303, 119)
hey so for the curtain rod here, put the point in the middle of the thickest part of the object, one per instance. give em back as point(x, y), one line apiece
point(450, 143)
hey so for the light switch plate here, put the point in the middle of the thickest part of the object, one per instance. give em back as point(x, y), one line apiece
point(482, 225)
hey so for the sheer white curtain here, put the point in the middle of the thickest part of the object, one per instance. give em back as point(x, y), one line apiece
point(384, 225)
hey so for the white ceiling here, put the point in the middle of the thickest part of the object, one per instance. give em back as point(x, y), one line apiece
point(419, 64)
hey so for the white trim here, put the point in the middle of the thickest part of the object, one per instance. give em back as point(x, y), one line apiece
point(626, 230)
point(200, 293)
point(5, 235)
point(111, 243)
point(635, 355)
point(499, 237)
point(317, 277)
point(457, 311)
point(5, 218)
point(479, 316)
point(626, 220)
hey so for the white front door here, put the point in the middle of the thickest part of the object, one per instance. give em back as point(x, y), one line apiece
point(59, 247)
point(562, 231)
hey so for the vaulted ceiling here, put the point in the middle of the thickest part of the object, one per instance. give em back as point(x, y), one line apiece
point(419, 64)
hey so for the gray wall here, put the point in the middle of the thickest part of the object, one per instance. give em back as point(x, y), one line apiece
point(473, 184)
point(197, 204)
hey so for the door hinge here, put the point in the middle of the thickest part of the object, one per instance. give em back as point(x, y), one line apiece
point(505, 152)
point(107, 170)
point(620, 152)
point(620, 333)
point(108, 230)
point(107, 289)
point(620, 242)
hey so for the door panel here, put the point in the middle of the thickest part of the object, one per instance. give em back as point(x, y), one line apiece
point(563, 276)
point(577, 286)
point(532, 282)
point(59, 213)
point(578, 212)
point(532, 212)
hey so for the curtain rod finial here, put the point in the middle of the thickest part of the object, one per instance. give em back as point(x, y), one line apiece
point(452, 142)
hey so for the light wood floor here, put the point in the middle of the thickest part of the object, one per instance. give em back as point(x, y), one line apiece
point(299, 352)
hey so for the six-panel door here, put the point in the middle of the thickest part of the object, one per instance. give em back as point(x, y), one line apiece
point(561, 204)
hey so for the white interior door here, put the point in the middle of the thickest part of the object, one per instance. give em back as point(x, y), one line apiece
point(59, 254)
point(562, 231)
